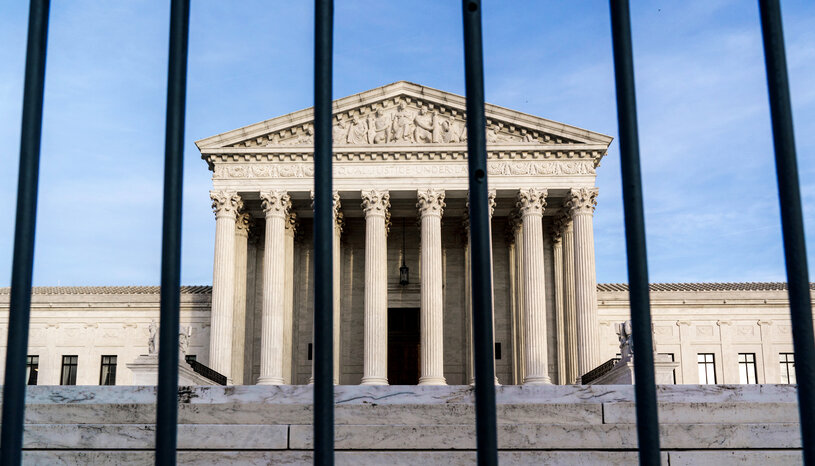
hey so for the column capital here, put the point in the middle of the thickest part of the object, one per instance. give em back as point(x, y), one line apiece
point(581, 200)
point(375, 203)
point(431, 202)
point(225, 203)
point(291, 222)
point(560, 226)
point(531, 201)
point(275, 203)
point(244, 223)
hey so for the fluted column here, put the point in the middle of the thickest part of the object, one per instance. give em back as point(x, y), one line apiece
point(276, 205)
point(569, 312)
point(431, 205)
point(239, 313)
point(531, 203)
point(518, 237)
point(225, 204)
point(375, 359)
point(560, 330)
point(288, 300)
point(582, 202)
point(338, 224)
point(470, 369)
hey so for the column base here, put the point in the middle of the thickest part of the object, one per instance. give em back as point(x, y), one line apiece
point(432, 380)
point(374, 381)
point(497, 383)
point(538, 380)
point(267, 380)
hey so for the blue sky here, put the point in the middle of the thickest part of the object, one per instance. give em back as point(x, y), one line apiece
point(710, 193)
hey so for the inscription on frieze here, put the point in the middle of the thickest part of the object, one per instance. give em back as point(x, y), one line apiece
point(354, 170)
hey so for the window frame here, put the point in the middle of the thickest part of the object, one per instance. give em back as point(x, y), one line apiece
point(32, 365)
point(111, 369)
point(785, 365)
point(709, 367)
point(745, 372)
point(67, 364)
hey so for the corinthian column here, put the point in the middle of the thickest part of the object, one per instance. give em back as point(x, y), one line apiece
point(276, 205)
point(375, 363)
point(239, 313)
point(581, 202)
point(531, 203)
point(569, 312)
point(431, 205)
point(560, 331)
point(470, 368)
point(225, 204)
point(338, 223)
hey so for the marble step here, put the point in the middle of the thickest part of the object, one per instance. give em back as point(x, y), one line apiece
point(416, 437)
point(412, 458)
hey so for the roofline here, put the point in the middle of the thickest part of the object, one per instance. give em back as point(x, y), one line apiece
point(383, 91)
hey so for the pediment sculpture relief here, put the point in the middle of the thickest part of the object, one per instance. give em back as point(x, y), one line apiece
point(402, 121)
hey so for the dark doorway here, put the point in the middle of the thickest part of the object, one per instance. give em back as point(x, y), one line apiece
point(403, 346)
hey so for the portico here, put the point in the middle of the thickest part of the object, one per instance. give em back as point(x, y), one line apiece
point(401, 191)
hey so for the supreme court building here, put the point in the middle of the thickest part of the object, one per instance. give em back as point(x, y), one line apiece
point(401, 267)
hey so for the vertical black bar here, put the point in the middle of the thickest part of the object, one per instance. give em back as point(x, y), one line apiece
point(323, 237)
point(792, 223)
point(167, 405)
point(644, 387)
point(11, 438)
point(481, 265)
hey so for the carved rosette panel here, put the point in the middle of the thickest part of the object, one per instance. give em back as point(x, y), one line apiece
point(225, 203)
point(531, 201)
point(275, 203)
point(582, 200)
point(431, 202)
point(375, 202)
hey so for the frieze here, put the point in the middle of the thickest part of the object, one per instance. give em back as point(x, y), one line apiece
point(494, 168)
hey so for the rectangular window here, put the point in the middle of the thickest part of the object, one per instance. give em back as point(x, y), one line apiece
point(69, 364)
point(32, 369)
point(787, 367)
point(747, 368)
point(707, 368)
point(107, 375)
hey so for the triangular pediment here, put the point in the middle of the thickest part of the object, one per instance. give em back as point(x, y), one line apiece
point(403, 114)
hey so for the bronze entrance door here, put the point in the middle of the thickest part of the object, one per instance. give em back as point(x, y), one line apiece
point(403, 346)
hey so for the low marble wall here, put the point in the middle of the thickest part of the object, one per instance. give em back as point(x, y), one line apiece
point(414, 425)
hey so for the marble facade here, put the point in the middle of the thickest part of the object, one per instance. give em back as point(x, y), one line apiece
point(400, 154)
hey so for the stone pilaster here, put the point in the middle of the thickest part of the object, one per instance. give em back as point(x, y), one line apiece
point(375, 363)
point(431, 206)
point(569, 312)
point(226, 205)
point(531, 203)
point(581, 202)
point(239, 312)
point(560, 330)
point(276, 205)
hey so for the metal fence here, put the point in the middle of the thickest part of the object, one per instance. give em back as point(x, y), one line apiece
point(645, 389)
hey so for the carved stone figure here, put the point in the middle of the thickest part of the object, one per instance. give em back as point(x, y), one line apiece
point(152, 339)
point(402, 125)
point(340, 132)
point(380, 128)
point(425, 125)
point(358, 133)
point(626, 341)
